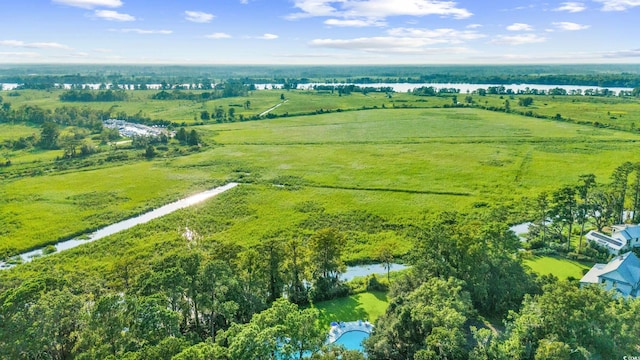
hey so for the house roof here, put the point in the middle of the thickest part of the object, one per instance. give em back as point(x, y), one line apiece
point(605, 240)
point(591, 277)
point(624, 268)
point(630, 232)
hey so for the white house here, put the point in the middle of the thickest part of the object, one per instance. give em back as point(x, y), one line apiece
point(622, 237)
point(621, 274)
point(629, 233)
point(611, 244)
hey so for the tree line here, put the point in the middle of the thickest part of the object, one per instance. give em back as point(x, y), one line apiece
point(579, 207)
point(227, 295)
point(92, 96)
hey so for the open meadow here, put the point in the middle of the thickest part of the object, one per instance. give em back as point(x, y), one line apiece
point(391, 166)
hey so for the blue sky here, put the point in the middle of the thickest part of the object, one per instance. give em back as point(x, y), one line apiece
point(320, 31)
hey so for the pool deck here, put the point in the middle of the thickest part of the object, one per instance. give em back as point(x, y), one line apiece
point(344, 327)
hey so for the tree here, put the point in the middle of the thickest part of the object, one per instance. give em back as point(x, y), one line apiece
point(385, 256)
point(542, 207)
point(426, 323)
point(193, 139)
point(566, 315)
point(181, 135)
point(525, 101)
point(563, 210)
point(619, 184)
point(219, 111)
point(326, 254)
point(282, 331)
point(150, 152)
point(247, 104)
point(295, 262)
point(272, 250)
point(588, 182)
point(481, 251)
point(636, 193)
point(602, 210)
point(49, 135)
point(217, 284)
point(204, 115)
point(325, 262)
point(232, 113)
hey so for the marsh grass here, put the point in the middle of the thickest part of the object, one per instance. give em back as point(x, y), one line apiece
point(397, 166)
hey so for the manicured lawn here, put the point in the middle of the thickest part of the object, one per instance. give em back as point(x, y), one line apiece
point(562, 268)
point(363, 306)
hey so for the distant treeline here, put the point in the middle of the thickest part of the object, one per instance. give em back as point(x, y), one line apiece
point(228, 89)
point(348, 89)
point(89, 96)
point(501, 90)
point(618, 75)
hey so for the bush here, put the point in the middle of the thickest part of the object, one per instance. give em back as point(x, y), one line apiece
point(49, 249)
point(325, 289)
point(373, 284)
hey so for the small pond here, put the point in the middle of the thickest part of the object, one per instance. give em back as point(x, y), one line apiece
point(364, 270)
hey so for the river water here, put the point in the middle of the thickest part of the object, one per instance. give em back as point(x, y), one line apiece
point(126, 224)
point(397, 87)
point(364, 270)
point(463, 87)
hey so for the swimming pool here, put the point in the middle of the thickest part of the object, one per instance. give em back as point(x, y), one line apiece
point(352, 340)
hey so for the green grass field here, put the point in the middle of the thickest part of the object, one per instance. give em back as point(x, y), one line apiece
point(393, 163)
point(398, 164)
point(363, 306)
point(561, 268)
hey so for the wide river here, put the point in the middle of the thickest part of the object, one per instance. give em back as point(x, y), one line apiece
point(397, 87)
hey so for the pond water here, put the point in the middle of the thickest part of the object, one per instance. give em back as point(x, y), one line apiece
point(126, 224)
point(521, 229)
point(364, 270)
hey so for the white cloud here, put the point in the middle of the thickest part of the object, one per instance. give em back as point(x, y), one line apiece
point(518, 39)
point(618, 5)
point(268, 37)
point(474, 26)
point(17, 56)
point(569, 26)
point(90, 4)
point(385, 44)
point(218, 35)
point(622, 54)
point(519, 27)
point(436, 36)
point(103, 50)
point(354, 22)
point(34, 45)
point(111, 15)
point(143, 31)
point(377, 9)
point(198, 16)
point(572, 7)
point(404, 41)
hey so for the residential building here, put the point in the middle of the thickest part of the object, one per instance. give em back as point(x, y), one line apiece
point(621, 274)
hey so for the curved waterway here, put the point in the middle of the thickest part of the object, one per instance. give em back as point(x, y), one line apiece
point(126, 224)
point(365, 270)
